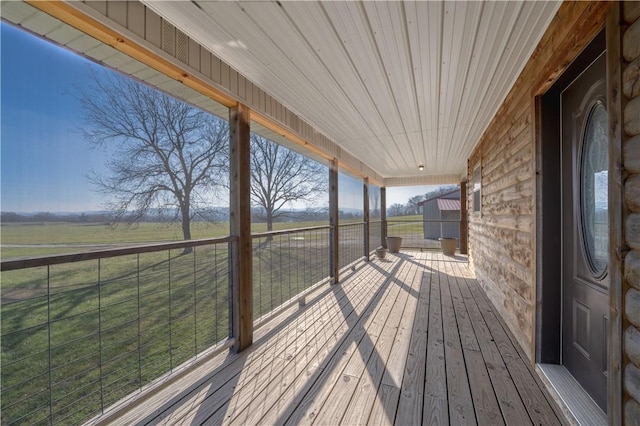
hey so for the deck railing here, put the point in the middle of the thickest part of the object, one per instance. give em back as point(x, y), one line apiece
point(424, 234)
point(351, 240)
point(81, 331)
point(375, 235)
point(287, 264)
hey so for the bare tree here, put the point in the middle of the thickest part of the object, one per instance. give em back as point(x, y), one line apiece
point(396, 209)
point(374, 202)
point(279, 176)
point(413, 206)
point(166, 155)
point(444, 189)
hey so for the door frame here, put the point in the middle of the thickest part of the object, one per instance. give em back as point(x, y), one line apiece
point(549, 194)
point(548, 343)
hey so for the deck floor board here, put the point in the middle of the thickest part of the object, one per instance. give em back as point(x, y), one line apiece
point(411, 339)
point(435, 409)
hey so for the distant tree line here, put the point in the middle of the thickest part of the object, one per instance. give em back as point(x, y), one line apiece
point(42, 217)
point(217, 214)
point(107, 218)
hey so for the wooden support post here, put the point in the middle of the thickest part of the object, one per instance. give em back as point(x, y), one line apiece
point(334, 263)
point(240, 226)
point(617, 213)
point(365, 193)
point(464, 219)
point(383, 216)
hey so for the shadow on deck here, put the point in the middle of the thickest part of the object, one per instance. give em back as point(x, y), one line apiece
point(410, 339)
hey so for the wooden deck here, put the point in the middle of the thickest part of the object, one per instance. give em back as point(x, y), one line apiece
point(408, 340)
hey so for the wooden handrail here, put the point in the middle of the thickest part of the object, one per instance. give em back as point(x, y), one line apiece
point(423, 221)
point(33, 262)
point(288, 231)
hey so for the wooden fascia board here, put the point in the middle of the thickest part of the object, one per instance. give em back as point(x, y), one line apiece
point(92, 27)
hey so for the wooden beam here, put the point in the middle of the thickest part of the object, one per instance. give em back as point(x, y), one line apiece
point(267, 122)
point(617, 247)
point(464, 219)
point(365, 193)
point(383, 216)
point(78, 19)
point(334, 243)
point(240, 226)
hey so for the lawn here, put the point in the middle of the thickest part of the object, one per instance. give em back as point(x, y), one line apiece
point(112, 326)
point(411, 229)
point(83, 335)
point(404, 225)
point(39, 239)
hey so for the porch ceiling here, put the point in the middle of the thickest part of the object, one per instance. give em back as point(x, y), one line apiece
point(397, 84)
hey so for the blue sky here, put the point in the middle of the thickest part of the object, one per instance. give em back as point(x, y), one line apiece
point(44, 160)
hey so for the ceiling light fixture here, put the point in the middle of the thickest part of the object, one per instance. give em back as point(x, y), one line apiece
point(421, 167)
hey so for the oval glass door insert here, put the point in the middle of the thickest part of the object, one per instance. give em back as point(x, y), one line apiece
point(594, 188)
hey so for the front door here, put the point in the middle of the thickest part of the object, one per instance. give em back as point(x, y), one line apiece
point(585, 230)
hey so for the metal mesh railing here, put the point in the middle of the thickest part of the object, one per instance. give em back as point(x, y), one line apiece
point(423, 234)
point(375, 235)
point(80, 332)
point(351, 240)
point(286, 263)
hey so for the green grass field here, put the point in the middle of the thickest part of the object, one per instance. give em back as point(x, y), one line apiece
point(399, 226)
point(112, 326)
point(39, 239)
point(83, 335)
point(411, 229)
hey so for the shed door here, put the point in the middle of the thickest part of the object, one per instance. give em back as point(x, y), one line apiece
point(585, 250)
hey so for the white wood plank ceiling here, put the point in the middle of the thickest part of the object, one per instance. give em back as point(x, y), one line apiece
point(397, 84)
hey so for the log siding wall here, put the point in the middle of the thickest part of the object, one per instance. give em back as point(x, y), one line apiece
point(631, 165)
point(502, 236)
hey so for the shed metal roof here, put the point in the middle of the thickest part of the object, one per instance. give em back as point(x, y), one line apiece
point(455, 191)
point(445, 204)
